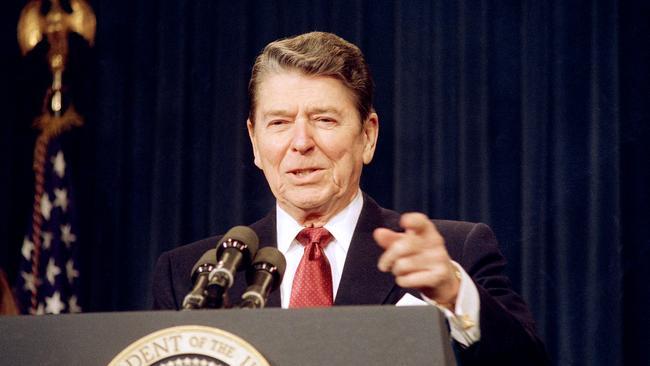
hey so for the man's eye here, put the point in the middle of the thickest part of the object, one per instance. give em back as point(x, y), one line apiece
point(278, 122)
point(326, 120)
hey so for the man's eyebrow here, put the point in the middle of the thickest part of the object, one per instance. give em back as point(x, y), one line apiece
point(325, 109)
point(276, 112)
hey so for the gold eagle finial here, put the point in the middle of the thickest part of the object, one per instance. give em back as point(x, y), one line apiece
point(55, 25)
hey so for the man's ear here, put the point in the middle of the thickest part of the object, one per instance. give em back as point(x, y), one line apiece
point(251, 136)
point(370, 133)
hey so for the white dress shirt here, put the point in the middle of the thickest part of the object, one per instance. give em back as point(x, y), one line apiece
point(464, 321)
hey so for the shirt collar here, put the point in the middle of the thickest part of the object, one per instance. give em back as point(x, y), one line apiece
point(341, 226)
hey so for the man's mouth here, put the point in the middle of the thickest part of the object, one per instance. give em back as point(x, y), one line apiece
point(303, 172)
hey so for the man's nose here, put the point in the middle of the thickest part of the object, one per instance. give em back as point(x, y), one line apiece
point(302, 139)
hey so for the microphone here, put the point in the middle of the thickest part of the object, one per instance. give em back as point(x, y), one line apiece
point(263, 277)
point(195, 299)
point(234, 252)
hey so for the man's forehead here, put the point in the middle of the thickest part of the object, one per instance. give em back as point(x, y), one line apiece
point(281, 93)
point(278, 110)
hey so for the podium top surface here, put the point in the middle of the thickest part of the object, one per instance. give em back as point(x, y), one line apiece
point(372, 335)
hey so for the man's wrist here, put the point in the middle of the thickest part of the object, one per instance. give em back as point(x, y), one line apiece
point(457, 277)
point(464, 315)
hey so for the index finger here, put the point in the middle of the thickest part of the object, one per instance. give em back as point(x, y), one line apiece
point(418, 224)
point(386, 237)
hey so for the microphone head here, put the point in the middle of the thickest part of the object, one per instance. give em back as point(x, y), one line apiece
point(207, 261)
point(243, 235)
point(270, 259)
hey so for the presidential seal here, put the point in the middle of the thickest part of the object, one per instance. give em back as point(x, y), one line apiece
point(189, 345)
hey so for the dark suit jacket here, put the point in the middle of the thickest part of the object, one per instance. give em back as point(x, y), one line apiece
point(507, 327)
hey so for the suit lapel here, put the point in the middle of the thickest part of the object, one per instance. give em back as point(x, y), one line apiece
point(361, 281)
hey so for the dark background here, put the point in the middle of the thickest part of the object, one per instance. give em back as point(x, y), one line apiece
point(531, 116)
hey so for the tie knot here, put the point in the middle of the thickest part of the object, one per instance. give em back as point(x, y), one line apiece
point(314, 235)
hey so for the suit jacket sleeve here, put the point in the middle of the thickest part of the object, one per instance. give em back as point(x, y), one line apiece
point(507, 327)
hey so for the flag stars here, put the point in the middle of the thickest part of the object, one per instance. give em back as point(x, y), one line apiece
point(58, 161)
point(40, 310)
point(27, 248)
point(52, 271)
point(30, 281)
point(70, 271)
point(52, 233)
point(46, 206)
point(47, 240)
point(67, 236)
point(61, 199)
point(54, 305)
point(73, 306)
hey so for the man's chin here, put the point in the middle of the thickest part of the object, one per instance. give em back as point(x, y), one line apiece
point(310, 201)
point(308, 205)
point(312, 206)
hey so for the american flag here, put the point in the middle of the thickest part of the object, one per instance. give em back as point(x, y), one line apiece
point(48, 282)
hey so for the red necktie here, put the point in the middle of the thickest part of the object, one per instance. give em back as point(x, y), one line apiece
point(312, 283)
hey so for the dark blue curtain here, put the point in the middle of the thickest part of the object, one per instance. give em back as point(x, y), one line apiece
point(531, 116)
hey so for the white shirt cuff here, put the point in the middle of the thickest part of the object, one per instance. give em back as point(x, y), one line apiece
point(464, 321)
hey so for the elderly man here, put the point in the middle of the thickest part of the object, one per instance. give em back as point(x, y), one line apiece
point(313, 127)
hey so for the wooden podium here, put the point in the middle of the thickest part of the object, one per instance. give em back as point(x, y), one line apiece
point(360, 335)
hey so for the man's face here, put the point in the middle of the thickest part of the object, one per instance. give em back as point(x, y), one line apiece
point(308, 139)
